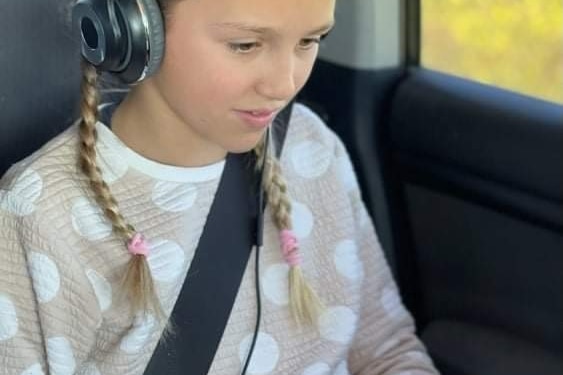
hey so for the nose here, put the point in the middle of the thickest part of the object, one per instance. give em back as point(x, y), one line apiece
point(278, 81)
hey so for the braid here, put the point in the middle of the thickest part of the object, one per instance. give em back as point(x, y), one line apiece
point(87, 157)
point(137, 283)
point(276, 187)
point(304, 303)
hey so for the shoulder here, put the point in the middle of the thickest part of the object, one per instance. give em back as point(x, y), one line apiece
point(301, 112)
point(22, 195)
point(308, 131)
point(309, 134)
point(305, 122)
point(313, 150)
point(23, 185)
point(61, 145)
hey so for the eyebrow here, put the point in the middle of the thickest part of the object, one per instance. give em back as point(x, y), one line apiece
point(267, 30)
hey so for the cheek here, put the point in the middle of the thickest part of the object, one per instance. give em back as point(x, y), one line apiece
point(205, 76)
point(303, 74)
point(224, 81)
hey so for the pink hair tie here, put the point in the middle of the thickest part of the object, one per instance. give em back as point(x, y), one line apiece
point(138, 245)
point(290, 247)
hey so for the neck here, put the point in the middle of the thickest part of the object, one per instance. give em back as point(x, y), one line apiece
point(147, 125)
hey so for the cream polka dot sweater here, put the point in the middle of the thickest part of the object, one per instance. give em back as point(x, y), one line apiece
point(60, 264)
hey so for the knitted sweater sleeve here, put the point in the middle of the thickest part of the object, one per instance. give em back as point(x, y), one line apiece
point(48, 313)
point(385, 342)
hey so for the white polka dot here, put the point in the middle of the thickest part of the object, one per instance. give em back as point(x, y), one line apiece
point(173, 196)
point(276, 285)
point(346, 260)
point(392, 303)
point(302, 219)
point(29, 185)
point(88, 220)
point(338, 324)
point(310, 159)
point(45, 276)
point(166, 260)
point(113, 167)
point(61, 357)
point(20, 199)
point(8, 318)
point(346, 174)
point(89, 368)
point(33, 370)
point(139, 334)
point(102, 288)
point(319, 368)
point(341, 369)
point(265, 356)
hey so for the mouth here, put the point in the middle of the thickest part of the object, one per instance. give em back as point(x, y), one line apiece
point(257, 118)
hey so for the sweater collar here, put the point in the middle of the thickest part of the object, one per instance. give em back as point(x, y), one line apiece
point(119, 150)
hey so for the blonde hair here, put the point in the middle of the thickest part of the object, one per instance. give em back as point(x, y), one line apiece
point(137, 283)
point(304, 303)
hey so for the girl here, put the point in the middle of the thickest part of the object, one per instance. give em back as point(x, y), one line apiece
point(115, 208)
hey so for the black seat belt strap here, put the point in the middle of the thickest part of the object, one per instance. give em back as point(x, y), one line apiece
point(205, 302)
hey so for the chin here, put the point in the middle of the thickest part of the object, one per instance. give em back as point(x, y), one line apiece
point(244, 145)
point(241, 149)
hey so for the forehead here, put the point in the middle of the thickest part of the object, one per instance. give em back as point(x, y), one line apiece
point(274, 14)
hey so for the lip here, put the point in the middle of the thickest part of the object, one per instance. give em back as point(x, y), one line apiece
point(257, 118)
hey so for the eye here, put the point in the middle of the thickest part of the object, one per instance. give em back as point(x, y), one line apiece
point(308, 43)
point(243, 48)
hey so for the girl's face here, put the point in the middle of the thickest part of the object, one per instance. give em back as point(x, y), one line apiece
point(231, 65)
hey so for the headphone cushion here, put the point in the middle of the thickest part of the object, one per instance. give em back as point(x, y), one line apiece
point(155, 35)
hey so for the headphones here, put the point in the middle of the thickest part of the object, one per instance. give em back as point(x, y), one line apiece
point(123, 37)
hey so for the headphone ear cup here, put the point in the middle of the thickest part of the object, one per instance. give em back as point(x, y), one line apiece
point(102, 42)
point(145, 47)
point(155, 35)
point(124, 37)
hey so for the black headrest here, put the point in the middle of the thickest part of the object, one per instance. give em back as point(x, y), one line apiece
point(39, 75)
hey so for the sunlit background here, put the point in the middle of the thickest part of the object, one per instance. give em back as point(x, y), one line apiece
point(514, 44)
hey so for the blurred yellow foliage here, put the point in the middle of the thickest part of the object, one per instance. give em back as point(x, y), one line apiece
point(515, 44)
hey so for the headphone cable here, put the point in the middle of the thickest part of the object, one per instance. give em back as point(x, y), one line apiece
point(258, 247)
point(258, 311)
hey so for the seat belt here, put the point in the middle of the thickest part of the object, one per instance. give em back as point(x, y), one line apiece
point(205, 302)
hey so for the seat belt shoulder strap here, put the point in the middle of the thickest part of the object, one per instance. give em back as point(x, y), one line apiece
point(205, 302)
